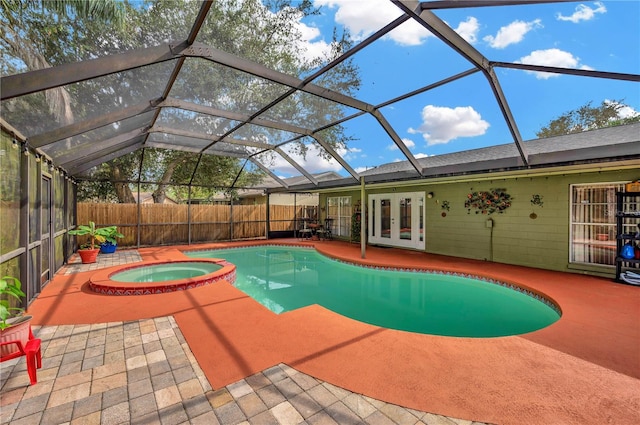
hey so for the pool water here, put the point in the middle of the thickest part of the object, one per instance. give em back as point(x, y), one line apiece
point(165, 272)
point(287, 278)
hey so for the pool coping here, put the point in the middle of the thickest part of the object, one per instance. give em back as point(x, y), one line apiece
point(101, 282)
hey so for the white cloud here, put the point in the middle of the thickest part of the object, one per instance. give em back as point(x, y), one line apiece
point(307, 47)
point(407, 142)
point(410, 33)
point(468, 30)
point(310, 44)
point(625, 111)
point(551, 57)
point(364, 18)
point(583, 13)
point(360, 18)
point(416, 156)
point(441, 124)
point(512, 33)
point(348, 153)
point(313, 161)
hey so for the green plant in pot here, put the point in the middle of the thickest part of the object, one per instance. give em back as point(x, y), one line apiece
point(14, 324)
point(88, 251)
point(111, 235)
point(10, 289)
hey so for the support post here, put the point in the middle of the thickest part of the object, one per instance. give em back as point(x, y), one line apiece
point(189, 215)
point(267, 228)
point(139, 215)
point(295, 215)
point(23, 228)
point(230, 216)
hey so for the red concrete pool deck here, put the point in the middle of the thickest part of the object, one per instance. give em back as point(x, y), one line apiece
point(583, 369)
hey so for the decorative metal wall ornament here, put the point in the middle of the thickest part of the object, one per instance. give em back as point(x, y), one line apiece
point(444, 206)
point(536, 200)
point(488, 202)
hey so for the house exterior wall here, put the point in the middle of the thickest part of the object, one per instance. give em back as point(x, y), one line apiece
point(305, 199)
point(147, 198)
point(517, 239)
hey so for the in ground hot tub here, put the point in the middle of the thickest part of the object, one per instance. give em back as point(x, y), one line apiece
point(156, 277)
point(165, 271)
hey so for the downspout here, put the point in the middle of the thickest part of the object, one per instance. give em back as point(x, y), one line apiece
point(363, 203)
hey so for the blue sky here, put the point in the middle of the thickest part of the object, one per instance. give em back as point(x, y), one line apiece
point(603, 36)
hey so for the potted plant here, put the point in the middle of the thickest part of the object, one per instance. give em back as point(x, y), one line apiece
point(111, 235)
point(88, 251)
point(14, 324)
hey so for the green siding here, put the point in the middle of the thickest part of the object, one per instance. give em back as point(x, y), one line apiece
point(517, 239)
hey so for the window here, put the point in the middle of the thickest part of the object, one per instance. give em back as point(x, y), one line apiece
point(593, 223)
point(339, 211)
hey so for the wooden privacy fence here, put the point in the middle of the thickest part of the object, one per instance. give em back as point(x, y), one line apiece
point(167, 224)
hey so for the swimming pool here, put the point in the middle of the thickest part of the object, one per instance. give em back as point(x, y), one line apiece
point(287, 278)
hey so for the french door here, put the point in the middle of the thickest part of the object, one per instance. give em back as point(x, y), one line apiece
point(397, 219)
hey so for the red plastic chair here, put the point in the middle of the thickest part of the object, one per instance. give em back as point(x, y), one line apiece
point(31, 350)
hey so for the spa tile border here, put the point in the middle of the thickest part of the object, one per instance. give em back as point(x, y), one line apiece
point(101, 283)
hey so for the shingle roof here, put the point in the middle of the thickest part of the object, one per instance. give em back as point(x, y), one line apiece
point(269, 182)
point(594, 146)
point(601, 144)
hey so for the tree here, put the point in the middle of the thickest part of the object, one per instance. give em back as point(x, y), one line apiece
point(587, 117)
point(31, 28)
point(264, 31)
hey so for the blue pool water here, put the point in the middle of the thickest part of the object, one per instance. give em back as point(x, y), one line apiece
point(286, 278)
point(165, 272)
